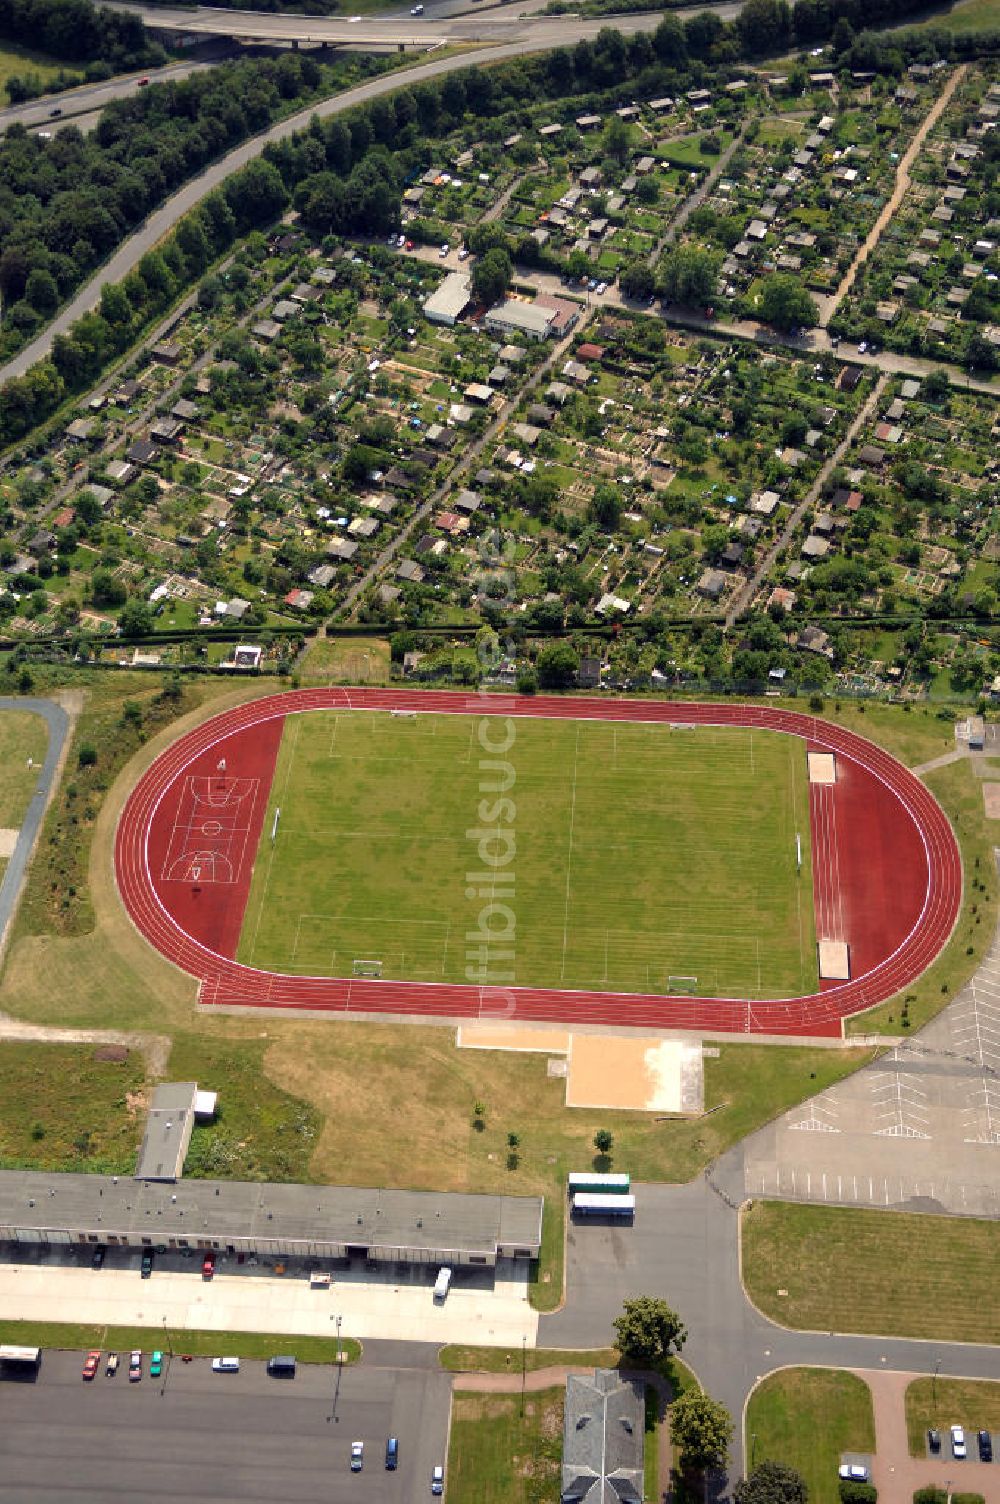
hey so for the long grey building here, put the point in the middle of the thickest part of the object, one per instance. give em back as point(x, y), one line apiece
point(297, 1221)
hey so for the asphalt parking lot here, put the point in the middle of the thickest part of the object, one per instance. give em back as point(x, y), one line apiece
point(210, 1438)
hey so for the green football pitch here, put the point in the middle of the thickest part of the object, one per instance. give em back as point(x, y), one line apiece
point(644, 858)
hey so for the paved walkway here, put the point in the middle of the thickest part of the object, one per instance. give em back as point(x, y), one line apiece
point(942, 761)
point(58, 721)
point(245, 1299)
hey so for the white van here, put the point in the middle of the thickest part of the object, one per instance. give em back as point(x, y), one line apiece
point(225, 1365)
point(442, 1284)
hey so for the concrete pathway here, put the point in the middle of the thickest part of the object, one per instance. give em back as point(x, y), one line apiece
point(942, 761)
point(245, 1299)
point(829, 306)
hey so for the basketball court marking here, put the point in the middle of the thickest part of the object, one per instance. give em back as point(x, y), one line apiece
point(211, 826)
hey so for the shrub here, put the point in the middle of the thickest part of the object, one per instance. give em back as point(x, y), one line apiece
point(930, 1495)
point(857, 1493)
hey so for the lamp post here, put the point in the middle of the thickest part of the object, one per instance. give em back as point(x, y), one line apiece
point(753, 1448)
point(170, 1353)
point(336, 1387)
point(524, 1364)
point(937, 1370)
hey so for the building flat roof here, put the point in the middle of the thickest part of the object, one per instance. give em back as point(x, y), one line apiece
point(449, 301)
point(168, 1131)
point(202, 1210)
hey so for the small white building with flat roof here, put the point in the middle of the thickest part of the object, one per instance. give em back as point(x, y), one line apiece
point(448, 302)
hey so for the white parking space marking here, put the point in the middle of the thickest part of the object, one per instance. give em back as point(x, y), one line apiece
point(900, 1104)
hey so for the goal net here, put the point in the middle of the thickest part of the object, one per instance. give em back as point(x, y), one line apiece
point(367, 968)
point(683, 986)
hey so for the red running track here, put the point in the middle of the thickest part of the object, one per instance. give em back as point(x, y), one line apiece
point(927, 862)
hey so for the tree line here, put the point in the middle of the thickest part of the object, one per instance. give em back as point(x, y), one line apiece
point(68, 202)
point(78, 31)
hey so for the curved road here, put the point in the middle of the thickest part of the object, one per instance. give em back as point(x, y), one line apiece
point(525, 34)
point(57, 720)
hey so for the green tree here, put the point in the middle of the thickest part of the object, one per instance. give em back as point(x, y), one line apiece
point(785, 304)
point(648, 1330)
point(603, 1141)
point(772, 1483)
point(637, 281)
point(558, 666)
point(136, 619)
point(617, 140)
point(491, 276)
point(689, 276)
point(701, 1429)
point(41, 290)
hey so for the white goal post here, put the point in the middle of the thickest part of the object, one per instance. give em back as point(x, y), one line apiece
point(363, 968)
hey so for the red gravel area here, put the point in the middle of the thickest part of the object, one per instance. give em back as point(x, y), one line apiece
point(895, 848)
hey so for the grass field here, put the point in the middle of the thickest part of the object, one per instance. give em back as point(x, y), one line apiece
point(22, 735)
point(383, 819)
point(806, 1417)
point(509, 1359)
point(894, 1273)
point(19, 62)
point(498, 1456)
point(972, 1403)
point(62, 1109)
point(200, 1344)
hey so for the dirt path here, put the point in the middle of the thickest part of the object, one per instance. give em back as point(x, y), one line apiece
point(830, 305)
point(744, 596)
point(155, 1047)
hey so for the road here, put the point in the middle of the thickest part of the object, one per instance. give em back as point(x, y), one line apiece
point(58, 723)
point(55, 110)
point(496, 24)
point(684, 1246)
point(211, 1438)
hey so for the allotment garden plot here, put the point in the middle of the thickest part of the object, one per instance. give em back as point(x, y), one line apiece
point(642, 858)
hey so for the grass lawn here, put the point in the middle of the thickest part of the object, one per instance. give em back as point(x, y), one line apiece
point(966, 16)
point(972, 1403)
point(508, 1359)
point(199, 1344)
point(383, 819)
point(892, 1273)
point(498, 1456)
point(22, 735)
point(805, 1418)
point(351, 660)
point(62, 1109)
point(18, 62)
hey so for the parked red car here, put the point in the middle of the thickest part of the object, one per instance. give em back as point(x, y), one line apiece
point(208, 1266)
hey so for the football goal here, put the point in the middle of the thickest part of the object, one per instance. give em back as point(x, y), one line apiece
point(367, 968)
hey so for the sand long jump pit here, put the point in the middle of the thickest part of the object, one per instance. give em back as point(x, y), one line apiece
point(625, 1072)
